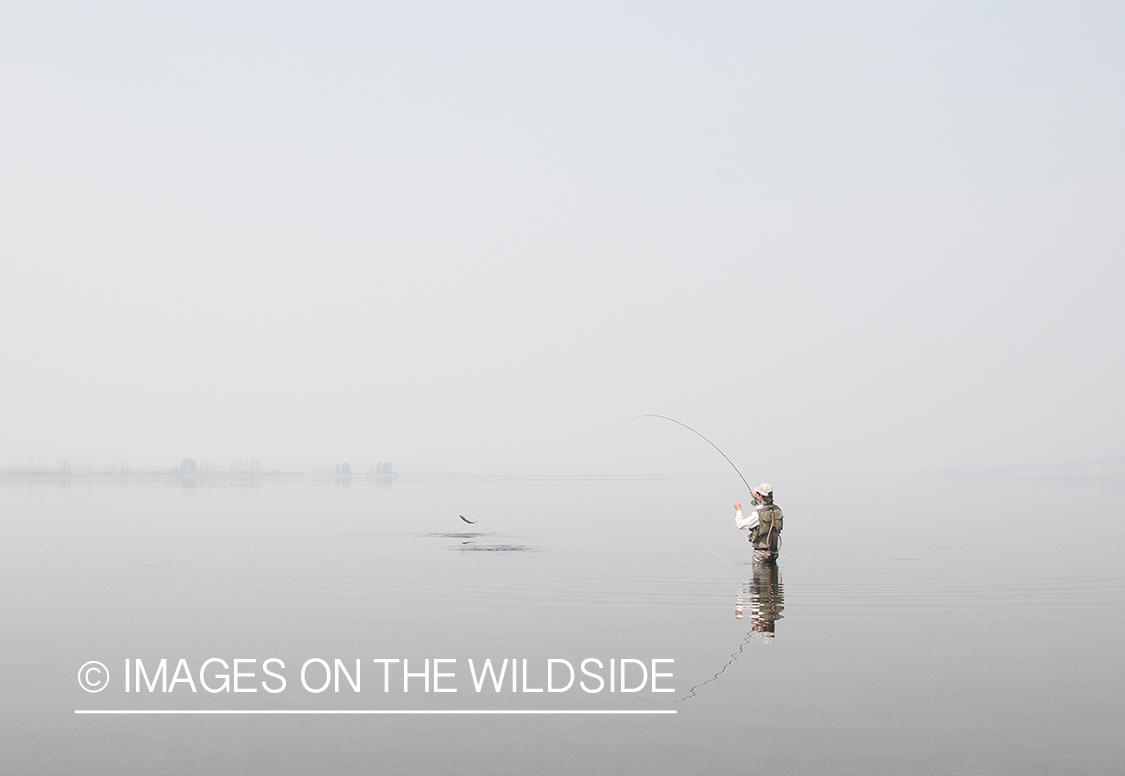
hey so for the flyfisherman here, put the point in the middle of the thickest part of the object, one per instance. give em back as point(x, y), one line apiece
point(764, 523)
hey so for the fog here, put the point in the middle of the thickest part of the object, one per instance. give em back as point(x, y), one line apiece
point(482, 237)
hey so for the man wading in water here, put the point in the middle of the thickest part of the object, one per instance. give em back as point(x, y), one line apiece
point(764, 523)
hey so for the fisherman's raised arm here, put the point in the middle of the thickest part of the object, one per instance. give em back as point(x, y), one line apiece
point(749, 521)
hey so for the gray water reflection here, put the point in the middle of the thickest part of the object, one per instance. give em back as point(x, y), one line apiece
point(765, 595)
point(897, 640)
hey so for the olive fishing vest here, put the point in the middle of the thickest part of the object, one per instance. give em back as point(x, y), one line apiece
point(768, 515)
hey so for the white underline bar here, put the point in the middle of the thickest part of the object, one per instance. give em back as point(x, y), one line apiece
point(374, 711)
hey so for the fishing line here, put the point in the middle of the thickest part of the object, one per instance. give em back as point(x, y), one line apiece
point(720, 557)
point(691, 693)
point(705, 439)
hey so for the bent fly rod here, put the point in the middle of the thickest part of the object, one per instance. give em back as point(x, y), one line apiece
point(705, 439)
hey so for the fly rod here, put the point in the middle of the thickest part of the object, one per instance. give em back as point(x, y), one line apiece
point(705, 439)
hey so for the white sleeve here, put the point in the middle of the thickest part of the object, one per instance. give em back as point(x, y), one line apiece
point(746, 522)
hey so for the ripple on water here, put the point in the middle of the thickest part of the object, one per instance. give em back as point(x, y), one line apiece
point(458, 534)
point(953, 577)
point(495, 548)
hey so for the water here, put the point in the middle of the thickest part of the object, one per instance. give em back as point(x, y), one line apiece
point(913, 625)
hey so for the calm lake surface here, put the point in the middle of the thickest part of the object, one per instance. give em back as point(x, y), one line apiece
point(913, 625)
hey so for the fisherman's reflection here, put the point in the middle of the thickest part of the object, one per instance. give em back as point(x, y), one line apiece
point(765, 595)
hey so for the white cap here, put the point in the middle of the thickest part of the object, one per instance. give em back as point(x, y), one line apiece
point(765, 489)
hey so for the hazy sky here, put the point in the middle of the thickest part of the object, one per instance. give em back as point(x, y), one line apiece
point(835, 237)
